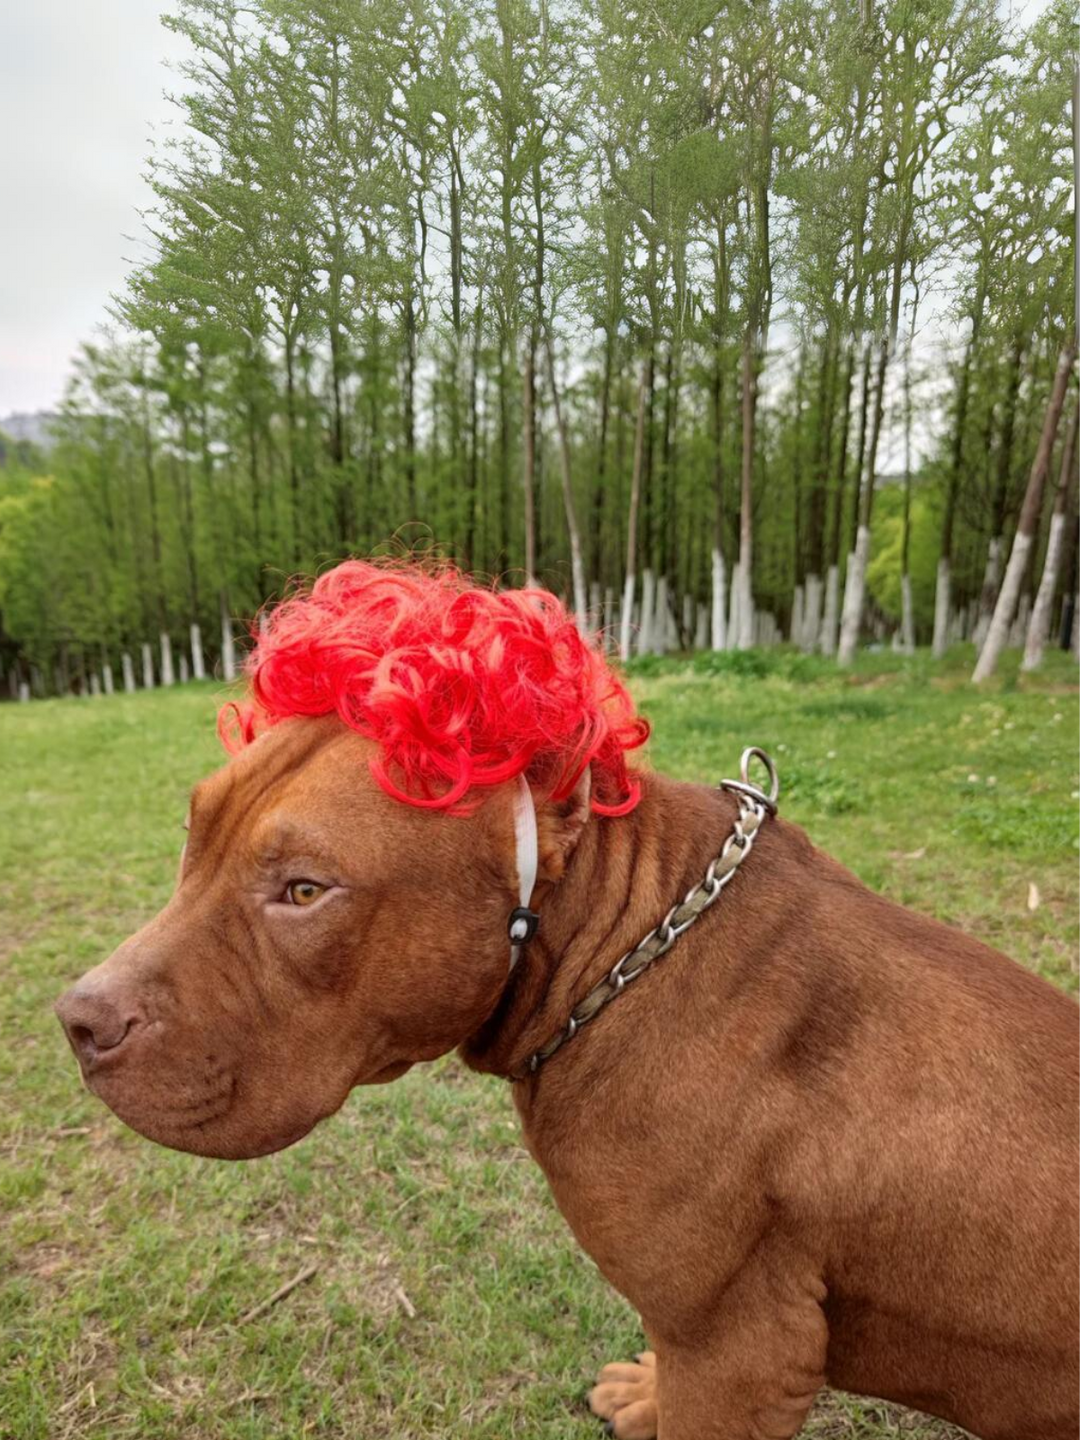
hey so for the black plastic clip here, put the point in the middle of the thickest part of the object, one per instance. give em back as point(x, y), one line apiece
point(523, 925)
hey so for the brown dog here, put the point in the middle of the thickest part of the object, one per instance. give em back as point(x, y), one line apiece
point(821, 1139)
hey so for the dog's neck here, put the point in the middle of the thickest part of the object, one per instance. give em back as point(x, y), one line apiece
point(623, 877)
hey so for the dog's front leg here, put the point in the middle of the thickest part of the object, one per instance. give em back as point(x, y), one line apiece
point(751, 1372)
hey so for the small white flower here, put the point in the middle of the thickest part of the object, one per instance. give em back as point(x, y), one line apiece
point(973, 779)
point(991, 780)
point(830, 754)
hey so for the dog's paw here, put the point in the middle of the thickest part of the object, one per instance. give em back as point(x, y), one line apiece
point(625, 1396)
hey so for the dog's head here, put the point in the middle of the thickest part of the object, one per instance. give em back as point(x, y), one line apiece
point(344, 896)
point(321, 935)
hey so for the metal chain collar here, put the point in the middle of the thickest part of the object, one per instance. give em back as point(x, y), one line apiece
point(754, 805)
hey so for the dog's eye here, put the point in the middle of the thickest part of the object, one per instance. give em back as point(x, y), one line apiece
point(304, 892)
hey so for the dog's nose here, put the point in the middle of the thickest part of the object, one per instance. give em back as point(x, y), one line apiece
point(96, 1021)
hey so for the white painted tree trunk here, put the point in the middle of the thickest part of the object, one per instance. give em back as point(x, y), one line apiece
point(228, 647)
point(107, 678)
point(745, 633)
point(798, 605)
point(24, 692)
point(907, 616)
point(989, 592)
point(185, 673)
point(662, 619)
point(854, 595)
point(648, 609)
point(95, 684)
point(128, 670)
point(168, 676)
point(719, 601)
point(811, 627)
point(959, 625)
point(766, 630)
point(942, 606)
point(733, 608)
point(702, 635)
point(997, 633)
point(1039, 626)
point(147, 667)
point(830, 621)
point(1018, 629)
point(609, 618)
point(626, 619)
point(198, 664)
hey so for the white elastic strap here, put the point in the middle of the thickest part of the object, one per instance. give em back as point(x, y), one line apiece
point(527, 845)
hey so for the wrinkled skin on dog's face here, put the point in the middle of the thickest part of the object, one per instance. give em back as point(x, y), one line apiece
point(321, 936)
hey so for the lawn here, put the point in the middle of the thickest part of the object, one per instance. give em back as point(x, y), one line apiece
point(443, 1296)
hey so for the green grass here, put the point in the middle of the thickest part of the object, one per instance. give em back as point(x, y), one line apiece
point(449, 1300)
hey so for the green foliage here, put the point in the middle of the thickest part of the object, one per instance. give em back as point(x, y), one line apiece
point(884, 570)
point(371, 219)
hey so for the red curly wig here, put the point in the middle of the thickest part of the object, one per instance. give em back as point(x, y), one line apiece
point(461, 685)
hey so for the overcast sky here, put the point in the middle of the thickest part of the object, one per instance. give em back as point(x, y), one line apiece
point(81, 94)
point(81, 91)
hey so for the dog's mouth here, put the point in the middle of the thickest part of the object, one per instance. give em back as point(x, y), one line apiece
point(215, 1121)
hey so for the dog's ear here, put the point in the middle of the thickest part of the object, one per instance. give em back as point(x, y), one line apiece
point(559, 824)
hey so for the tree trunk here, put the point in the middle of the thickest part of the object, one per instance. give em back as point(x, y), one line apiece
point(502, 501)
point(996, 545)
point(155, 522)
point(188, 527)
point(346, 523)
point(812, 606)
point(718, 626)
point(831, 615)
point(855, 589)
point(819, 479)
point(626, 619)
point(860, 455)
point(798, 608)
point(577, 563)
point(1039, 626)
point(228, 647)
point(256, 485)
point(294, 472)
point(409, 416)
point(599, 570)
point(830, 618)
point(942, 598)
point(744, 637)
point(648, 612)
point(472, 484)
point(907, 610)
point(528, 412)
point(1005, 608)
point(198, 665)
